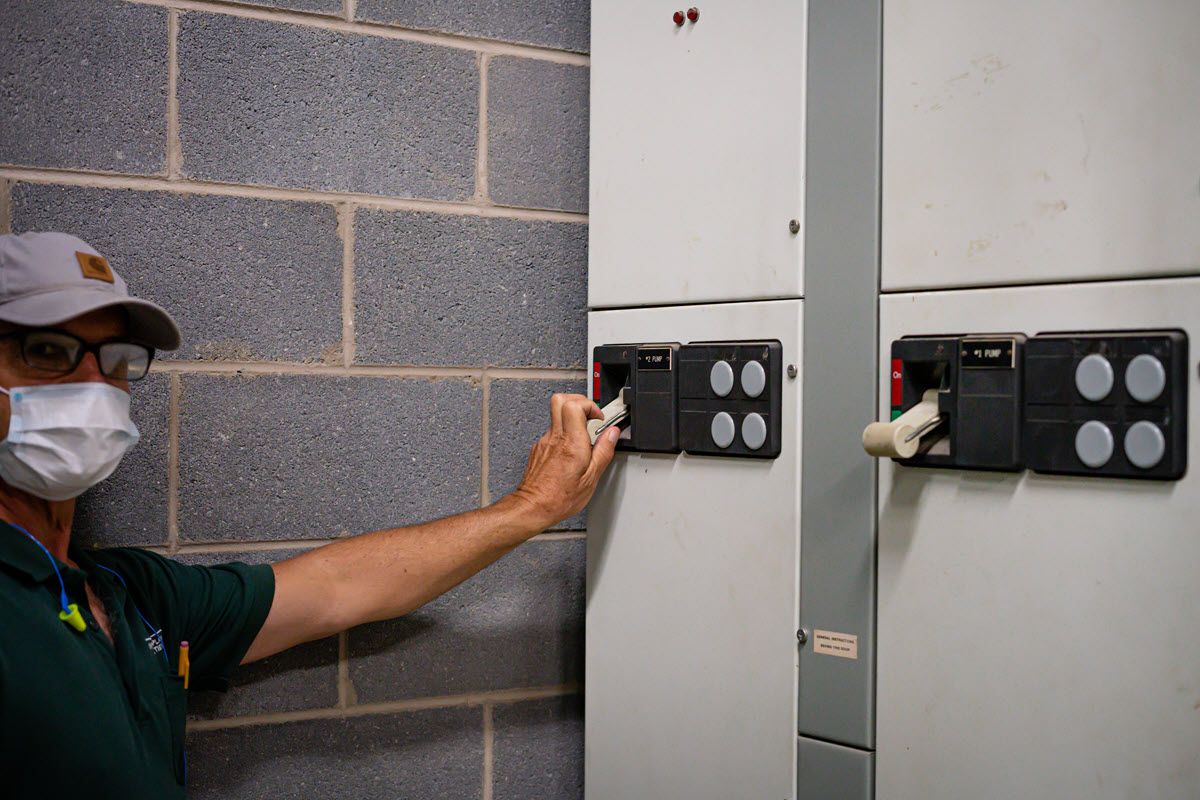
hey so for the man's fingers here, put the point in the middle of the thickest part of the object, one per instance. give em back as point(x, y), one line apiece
point(603, 452)
point(556, 408)
point(593, 410)
point(570, 411)
point(575, 413)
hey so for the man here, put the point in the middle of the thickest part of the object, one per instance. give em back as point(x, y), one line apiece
point(96, 648)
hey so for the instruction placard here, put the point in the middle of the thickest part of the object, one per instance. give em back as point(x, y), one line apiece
point(842, 645)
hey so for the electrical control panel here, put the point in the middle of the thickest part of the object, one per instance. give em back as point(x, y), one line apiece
point(976, 423)
point(1107, 403)
point(1096, 403)
point(650, 375)
point(705, 398)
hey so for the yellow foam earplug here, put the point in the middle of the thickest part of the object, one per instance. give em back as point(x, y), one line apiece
point(73, 618)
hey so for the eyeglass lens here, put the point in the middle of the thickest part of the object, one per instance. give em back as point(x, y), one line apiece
point(58, 352)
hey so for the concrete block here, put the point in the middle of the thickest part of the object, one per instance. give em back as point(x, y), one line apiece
point(537, 155)
point(560, 24)
point(246, 279)
point(470, 291)
point(518, 415)
point(332, 8)
point(130, 507)
point(83, 85)
point(274, 457)
point(421, 754)
point(517, 624)
point(285, 105)
point(302, 677)
point(538, 753)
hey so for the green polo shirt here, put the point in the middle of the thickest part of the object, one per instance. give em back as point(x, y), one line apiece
point(83, 717)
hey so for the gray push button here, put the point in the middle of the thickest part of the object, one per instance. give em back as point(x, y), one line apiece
point(754, 378)
point(723, 427)
point(1145, 378)
point(754, 431)
point(1094, 443)
point(1144, 444)
point(1094, 377)
point(721, 378)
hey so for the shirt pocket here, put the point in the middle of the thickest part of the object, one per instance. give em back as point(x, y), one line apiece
point(175, 701)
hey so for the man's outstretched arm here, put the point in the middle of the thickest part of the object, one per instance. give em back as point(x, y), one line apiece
point(388, 573)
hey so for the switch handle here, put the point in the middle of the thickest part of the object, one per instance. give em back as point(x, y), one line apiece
point(902, 437)
point(614, 413)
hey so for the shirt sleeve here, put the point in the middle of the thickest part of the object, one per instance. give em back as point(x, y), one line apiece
point(217, 610)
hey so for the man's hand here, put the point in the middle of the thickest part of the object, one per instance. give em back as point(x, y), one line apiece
point(563, 466)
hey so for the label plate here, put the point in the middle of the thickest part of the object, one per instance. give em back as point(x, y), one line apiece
point(654, 358)
point(829, 643)
point(989, 354)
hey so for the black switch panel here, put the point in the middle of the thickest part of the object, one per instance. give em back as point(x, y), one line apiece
point(651, 372)
point(730, 398)
point(1108, 404)
point(978, 381)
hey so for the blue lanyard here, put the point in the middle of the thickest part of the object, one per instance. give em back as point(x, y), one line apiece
point(70, 611)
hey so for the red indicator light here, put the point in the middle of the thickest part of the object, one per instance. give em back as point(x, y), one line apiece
point(897, 381)
point(679, 18)
point(693, 14)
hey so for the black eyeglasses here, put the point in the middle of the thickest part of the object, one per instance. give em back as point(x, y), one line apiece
point(59, 353)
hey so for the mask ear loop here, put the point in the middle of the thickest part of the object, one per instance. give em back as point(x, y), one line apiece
point(70, 611)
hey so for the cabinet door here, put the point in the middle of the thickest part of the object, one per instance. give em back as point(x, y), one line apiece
point(692, 595)
point(1026, 142)
point(696, 152)
point(1037, 632)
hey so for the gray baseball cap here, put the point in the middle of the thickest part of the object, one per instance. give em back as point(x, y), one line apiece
point(49, 278)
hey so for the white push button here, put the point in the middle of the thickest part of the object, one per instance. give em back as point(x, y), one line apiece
point(754, 431)
point(1144, 444)
point(1145, 378)
point(723, 429)
point(1094, 377)
point(721, 378)
point(754, 379)
point(1094, 443)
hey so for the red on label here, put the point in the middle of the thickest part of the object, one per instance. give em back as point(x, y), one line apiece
point(596, 382)
point(897, 381)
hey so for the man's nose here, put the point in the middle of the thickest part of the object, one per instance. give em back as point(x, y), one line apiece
point(88, 369)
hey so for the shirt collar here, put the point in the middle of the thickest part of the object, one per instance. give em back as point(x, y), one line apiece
point(22, 554)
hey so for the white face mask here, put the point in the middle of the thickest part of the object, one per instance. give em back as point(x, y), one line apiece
point(64, 438)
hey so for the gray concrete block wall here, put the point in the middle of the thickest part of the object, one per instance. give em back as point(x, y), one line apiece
point(428, 753)
point(83, 85)
point(465, 280)
point(539, 749)
point(535, 107)
point(478, 635)
point(286, 105)
point(368, 219)
point(267, 457)
point(562, 24)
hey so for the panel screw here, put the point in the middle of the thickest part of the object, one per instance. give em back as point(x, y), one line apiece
point(801, 636)
point(791, 370)
point(679, 18)
point(794, 226)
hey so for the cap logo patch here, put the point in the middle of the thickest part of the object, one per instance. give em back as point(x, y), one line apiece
point(95, 267)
